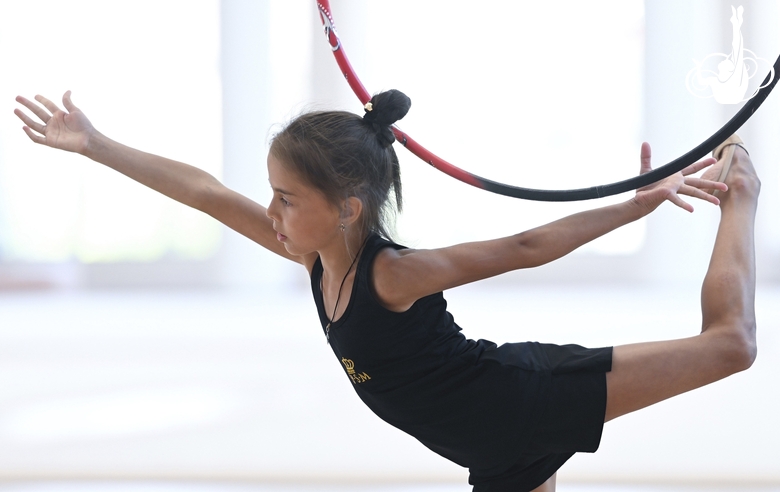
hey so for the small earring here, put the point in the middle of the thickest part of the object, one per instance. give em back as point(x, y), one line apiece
point(342, 228)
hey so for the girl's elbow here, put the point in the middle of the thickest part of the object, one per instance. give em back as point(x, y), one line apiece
point(528, 253)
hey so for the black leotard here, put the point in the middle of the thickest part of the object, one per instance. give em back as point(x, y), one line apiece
point(470, 401)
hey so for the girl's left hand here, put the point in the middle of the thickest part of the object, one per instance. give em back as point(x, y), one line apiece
point(69, 130)
point(681, 183)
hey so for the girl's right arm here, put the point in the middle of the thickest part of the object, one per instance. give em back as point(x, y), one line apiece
point(401, 277)
point(72, 131)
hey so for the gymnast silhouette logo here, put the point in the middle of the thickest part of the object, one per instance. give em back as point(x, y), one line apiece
point(727, 77)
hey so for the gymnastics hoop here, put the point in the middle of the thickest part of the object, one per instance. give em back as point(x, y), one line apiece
point(593, 192)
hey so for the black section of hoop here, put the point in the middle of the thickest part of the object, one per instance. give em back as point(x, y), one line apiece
point(662, 172)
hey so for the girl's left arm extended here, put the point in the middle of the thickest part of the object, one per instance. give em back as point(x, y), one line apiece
point(401, 277)
point(72, 131)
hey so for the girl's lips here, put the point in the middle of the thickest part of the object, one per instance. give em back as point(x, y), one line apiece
point(280, 236)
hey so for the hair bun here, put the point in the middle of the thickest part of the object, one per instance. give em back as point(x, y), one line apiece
point(387, 108)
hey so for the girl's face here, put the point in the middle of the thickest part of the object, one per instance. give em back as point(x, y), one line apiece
point(305, 221)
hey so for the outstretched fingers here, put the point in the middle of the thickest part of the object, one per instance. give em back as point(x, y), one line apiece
point(695, 192)
point(34, 129)
point(34, 108)
point(31, 123)
point(698, 187)
point(706, 184)
point(53, 108)
point(47, 124)
point(694, 187)
point(675, 199)
point(681, 183)
point(35, 137)
point(698, 166)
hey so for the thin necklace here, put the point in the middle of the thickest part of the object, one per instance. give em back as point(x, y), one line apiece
point(338, 296)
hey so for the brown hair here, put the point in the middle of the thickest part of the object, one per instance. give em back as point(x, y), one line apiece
point(344, 155)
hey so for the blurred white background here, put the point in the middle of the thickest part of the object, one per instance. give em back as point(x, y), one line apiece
point(141, 340)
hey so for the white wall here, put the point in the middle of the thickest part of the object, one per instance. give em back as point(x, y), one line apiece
point(275, 63)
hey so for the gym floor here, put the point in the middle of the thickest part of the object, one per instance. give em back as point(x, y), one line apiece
point(227, 487)
point(163, 391)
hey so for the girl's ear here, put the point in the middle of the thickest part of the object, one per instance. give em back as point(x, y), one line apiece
point(351, 210)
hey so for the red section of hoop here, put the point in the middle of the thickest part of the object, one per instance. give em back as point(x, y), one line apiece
point(436, 161)
point(364, 96)
point(338, 51)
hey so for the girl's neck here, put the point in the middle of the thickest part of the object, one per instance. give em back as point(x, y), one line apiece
point(337, 259)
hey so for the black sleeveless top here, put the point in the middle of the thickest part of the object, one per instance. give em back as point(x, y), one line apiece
point(469, 401)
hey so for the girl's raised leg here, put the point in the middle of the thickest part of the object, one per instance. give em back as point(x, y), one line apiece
point(646, 373)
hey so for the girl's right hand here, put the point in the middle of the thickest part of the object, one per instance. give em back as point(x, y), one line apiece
point(680, 183)
point(69, 131)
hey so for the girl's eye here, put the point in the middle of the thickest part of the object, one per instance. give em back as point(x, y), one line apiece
point(284, 201)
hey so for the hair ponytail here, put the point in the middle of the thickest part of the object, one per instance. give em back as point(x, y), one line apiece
point(383, 110)
point(343, 155)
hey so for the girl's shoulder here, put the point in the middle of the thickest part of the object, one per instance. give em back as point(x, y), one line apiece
point(388, 278)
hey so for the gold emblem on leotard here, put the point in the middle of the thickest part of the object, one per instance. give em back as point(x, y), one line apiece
point(349, 365)
point(356, 378)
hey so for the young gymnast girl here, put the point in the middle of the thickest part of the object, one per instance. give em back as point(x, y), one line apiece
point(512, 414)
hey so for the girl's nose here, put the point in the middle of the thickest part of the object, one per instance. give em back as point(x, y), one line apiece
point(269, 212)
